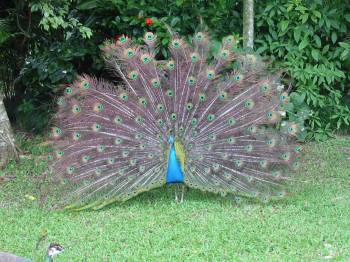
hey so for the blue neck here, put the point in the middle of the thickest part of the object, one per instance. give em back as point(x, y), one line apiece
point(174, 173)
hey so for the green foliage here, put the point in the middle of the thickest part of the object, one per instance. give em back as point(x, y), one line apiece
point(309, 40)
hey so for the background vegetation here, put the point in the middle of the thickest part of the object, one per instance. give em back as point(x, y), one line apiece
point(46, 43)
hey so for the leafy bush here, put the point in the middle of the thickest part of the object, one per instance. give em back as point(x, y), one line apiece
point(308, 38)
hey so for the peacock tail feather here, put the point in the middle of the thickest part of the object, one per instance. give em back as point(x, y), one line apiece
point(112, 143)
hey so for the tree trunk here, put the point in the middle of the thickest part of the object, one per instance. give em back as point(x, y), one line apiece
point(248, 23)
point(7, 142)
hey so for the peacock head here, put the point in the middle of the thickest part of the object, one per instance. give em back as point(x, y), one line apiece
point(53, 250)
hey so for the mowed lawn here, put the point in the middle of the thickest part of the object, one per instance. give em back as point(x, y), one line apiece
point(311, 224)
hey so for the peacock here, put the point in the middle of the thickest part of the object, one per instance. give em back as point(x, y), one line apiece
point(194, 120)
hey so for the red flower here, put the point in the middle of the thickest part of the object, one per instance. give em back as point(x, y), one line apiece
point(149, 21)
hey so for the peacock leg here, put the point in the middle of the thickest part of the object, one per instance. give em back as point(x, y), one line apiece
point(175, 191)
point(182, 193)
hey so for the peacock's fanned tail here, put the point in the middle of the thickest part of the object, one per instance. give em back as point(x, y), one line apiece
point(112, 143)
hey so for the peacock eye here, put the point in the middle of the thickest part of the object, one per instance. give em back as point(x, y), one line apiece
point(70, 170)
point(160, 108)
point(222, 96)
point(211, 117)
point(124, 97)
point(146, 59)
point(149, 36)
point(118, 141)
point(231, 121)
point(68, 90)
point(194, 121)
point(170, 93)
point(123, 39)
point(155, 83)
point(176, 43)
point(160, 122)
point(173, 116)
point(199, 36)
point(210, 74)
point(130, 53)
point(133, 75)
point(143, 101)
point(191, 80)
point(194, 57)
point(224, 54)
point(189, 106)
point(237, 77)
point(202, 97)
point(249, 104)
point(170, 65)
point(118, 120)
point(248, 148)
point(231, 140)
point(86, 85)
point(76, 136)
point(229, 39)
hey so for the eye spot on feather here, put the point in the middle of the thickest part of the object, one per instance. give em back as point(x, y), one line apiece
point(194, 121)
point(212, 137)
point(56, 132)
point(59, 154)
point(101, 148)
point(265, 88)
point(110, 161)
point(146, 58)
point(298, 149)
point(96, 127)
point(189, 106)
point(173, 116)
point(68, 91)
point(237, 77)
point(98, 108)
point(271, 142)
point(249, 104)
point(123, 39)
point(150, 156)
point(231, 140)
point(139, 120)
point(98, 171)
point(191, 80)
point(225, 156)
point(124, 96)
point(160, 122)
point(149, 38)
point(176, 43)
point(224, 54)
point(202, 97)
point(143, 101)
point(216, 167)
point(285, 156)
point(118, 141)
point(155, 83)
point(211, 117)
point(170, 65)
point(231, 121)
point(160, 108)
point(194, 133)
point(133, 162)
point(70, 170)
point(229, 40)
point(223, 95)
point(284, 98)
point(125, 153)
point(263, 163)
point(248, 148)
point(295, 165)
point(142, 146)
point(170, 93)
point(85, 85)
point(118, 120)
point(76, 109)
point(238, 163)
point(199, 37)
point(210, 74)
point(133, 75)
point(130, 53)
point(194, 57)
point(252, 129)
point(142, 168)
point(76, 136)
point(292, 129)
point(85, 158)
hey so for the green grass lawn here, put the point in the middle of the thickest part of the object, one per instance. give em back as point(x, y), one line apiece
point(311, 224)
